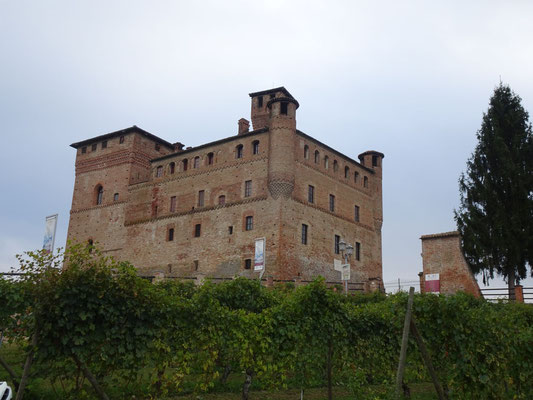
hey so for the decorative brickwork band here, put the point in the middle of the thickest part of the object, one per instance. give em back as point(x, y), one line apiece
point(281, 188)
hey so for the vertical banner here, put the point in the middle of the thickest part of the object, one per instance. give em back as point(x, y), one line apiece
point(50, 233)
point(432, 283)
point(259, 258)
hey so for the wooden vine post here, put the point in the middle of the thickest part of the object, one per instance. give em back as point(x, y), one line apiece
point(410, 326)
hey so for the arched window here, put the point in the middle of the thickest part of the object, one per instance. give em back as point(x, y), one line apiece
point(196, 162)
point(185, 164)
point(356, 177)
point(326, 162)
point(159, 171)
point(221, 200)
point(335, 166)
point(238, 151)
point(172, 167)
point(306, 152)
point(115, 197)
point(346, 172)
point(365, 181)
point(99, 194)
point(317, 157)
point(210, 158)
point(255, 147)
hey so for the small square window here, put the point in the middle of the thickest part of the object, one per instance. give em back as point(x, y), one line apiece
point(311, 194)
point(197, 230)
point(221, 200)
point(157, 147)
point(83, 150)
point(358, 251)
point(249, 223)
point(121, 140)
point(260, 101)
point(284, 108)
point(94, 147)
point(173, 204)
point(230, 230)
point(201, 195)
point(170, 234)
point(104, 144)
point(356, 213)
point(115, 197)
point(248, 263)
point(304, 233)
point(337, 244)
point(247, 188)
point(159, 172)
point(196, 265)
point(331, 203)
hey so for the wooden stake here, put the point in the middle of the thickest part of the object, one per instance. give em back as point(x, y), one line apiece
point(427, 360)
point(90, 377)
point(27, 366)
point(405, 342)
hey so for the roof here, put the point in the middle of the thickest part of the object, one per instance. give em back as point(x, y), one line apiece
point(334, 151)
point(131, 129)
point(275, 90)
point(373, 152)
point(220, 141)
point(440, 235)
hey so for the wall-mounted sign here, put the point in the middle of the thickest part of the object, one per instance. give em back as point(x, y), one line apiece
point(345, 272)
point(259, 258)
point(432, 283)
point(50, 233)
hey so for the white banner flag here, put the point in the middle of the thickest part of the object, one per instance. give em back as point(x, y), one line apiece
point(50, 233)
point(259, 259)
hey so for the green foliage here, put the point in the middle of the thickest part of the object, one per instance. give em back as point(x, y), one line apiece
point(495, 217)
point(177, 337)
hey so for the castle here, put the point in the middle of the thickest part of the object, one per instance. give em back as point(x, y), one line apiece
point(197, 211)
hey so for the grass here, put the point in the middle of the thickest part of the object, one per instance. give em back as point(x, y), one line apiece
point(43, 389)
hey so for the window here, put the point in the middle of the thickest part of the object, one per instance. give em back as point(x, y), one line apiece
point(173, 204)
point(249, 223)
point(159, 171)
point(210, 158)
point(326, 162)
point(157, 147)
point(196, 265)
point(306, 152)
point(121, 140)
point(185, 164)
point(248, 263)
point(115, 197)
point(170, 236)
point(272, 96)
point(331, 203)
point(346, 172)
point(311, 194)
point(365, 181)
point(356, 177)
point(84, 150)
point(247, 188)
point(221, 200)
point(197, 230)
point(335, 166)
point(172, 167)
point(238, 151)
point(358, 251)
point(196, 162)
point(99, 194)
point(230, 230)
point(374, 161)
point(104, 144)
point(255, 147)
point(284, 107)
point(260, 101)
point(337, 244)
point(201, 195)
point(304, 234)
point(94, 146)
point(317, 157)
point(356, 213)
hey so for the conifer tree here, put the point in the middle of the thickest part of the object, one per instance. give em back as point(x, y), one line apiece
point(495, 217)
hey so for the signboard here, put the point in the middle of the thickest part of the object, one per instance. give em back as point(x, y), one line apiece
point(50, 233)
point(432, 283)
point(259, 258)
point(337, 265)
point(345, 273)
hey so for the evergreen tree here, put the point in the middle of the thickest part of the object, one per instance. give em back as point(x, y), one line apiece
point(495, 217)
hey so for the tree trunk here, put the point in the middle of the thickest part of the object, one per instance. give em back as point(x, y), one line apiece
point(247, 383)
point(11, 373)
point(511, 282)
point(90, 377)
point(225, 375)
point(27, 366)
point(328, 370)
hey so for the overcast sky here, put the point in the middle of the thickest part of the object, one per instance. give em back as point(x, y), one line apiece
point(410, 79)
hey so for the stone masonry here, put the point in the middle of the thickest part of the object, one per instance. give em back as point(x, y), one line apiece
point(194, 212)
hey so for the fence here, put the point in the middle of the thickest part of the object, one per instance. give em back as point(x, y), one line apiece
point(523, 294)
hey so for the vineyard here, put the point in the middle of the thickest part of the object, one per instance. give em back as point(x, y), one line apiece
point(87, 325)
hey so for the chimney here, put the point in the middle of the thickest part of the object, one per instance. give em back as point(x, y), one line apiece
point(178, 146)
point(244, 126)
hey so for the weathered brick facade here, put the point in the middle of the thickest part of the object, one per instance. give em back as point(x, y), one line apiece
point(442, 254)
point(141, 198)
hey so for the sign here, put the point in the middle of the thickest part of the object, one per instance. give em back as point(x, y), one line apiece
point(337, 265)
point(345, 273)
point(50, 233)
point(432, 283)
point(259, 258)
